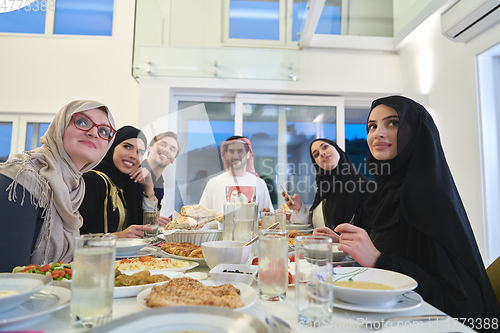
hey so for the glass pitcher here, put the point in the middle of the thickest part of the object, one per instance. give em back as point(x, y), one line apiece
point(240, 220)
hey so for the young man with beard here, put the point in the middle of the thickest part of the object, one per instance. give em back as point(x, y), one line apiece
point(238, 158)
point(162, 151)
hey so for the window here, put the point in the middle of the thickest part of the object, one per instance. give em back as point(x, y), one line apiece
point(23, 21)
point(34, 131)
point(203, 126)
point(61, 17)
point(257, 22)
point(329, 21)
point(280, 128)
point(281, 136)
point(254, 19)
point(89, 17)
point(5, 140)
point(355, 138)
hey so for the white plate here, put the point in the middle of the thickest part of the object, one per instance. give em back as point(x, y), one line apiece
point(192, 264)
point(407, 301)
point(209, 319)
point(297, 226)
point(247, 294)
point(21, 286)
point(48, 300)
point(200, 261)
point(145, 251)
point(120, 292)
point(129, 246)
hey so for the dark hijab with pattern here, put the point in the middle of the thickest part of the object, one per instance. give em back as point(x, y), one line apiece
point(342, 190)
point(122, 180)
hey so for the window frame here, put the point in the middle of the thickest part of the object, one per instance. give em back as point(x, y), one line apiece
point(23, 124)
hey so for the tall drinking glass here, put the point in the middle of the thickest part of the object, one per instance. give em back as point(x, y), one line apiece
point(280, 216)
point(151, 218)
point(93, 280)
point(273, 264)
point(313, 279)
point(267, 219)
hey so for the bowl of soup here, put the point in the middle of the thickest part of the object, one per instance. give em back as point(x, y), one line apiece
point(370, 286)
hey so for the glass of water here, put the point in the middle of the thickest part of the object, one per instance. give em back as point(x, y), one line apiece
point(273, 264)
point(313, 279)
point(93, 280)
point(150, 218)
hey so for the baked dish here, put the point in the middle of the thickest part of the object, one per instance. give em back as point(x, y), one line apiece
point(187, 291)
point(294, 233)
point(186, 249)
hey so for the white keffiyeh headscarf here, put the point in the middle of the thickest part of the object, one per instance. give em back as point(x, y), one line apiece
point(54, 184)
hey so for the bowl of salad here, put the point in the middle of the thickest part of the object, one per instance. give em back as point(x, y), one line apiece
point(55, 270)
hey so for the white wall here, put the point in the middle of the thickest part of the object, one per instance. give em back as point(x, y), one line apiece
point(445, 71)
point(42, 73)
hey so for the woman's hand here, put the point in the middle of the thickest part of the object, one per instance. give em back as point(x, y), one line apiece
point(327, 232)
point(296, 199)
point(163, 221)
point(355, 241)
point(134, 231)
point(143, 176)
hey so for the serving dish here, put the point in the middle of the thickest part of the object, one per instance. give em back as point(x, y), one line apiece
point(18, 287)
point(400, 282)
point(192, 265)
point(201, 261)
point(246, 276)
point(404, 302)
point(129, 246)
point(129, 291)
point(209, 319)
point(247, 294)
point(197, 237)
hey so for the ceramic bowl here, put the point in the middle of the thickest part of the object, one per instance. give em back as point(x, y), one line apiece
point(399, 282)
point(225, 252)
point(238, 273)
point(129, 246)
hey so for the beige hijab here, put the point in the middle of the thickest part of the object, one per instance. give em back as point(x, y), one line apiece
point(54, 184)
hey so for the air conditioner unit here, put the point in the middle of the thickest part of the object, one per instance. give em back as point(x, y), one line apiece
point(466, 19)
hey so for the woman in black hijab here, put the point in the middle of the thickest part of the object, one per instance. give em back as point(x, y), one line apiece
point(420, 227)
point(112, 200)
point(341, 191)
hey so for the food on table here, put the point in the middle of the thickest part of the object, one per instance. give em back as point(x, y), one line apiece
point(363, 285)
point(187, 291)
point(56, 270)
point(194, 217)
point(149, 263)
point(185, 249)
point(138, 279)
point(294, 233)
point(236, 271)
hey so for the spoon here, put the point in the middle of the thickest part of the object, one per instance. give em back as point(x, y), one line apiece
point(273, 226)
point(279, 325)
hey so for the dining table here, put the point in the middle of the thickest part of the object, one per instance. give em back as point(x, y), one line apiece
point(341, 321)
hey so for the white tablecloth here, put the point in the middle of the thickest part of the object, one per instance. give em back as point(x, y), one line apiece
point(342, 320)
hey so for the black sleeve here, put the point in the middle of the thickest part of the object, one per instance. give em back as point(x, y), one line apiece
point(442, 280)
point(92, 207)
point(19, 226)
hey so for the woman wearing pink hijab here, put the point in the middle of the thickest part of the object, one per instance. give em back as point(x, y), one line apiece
point(238, 158)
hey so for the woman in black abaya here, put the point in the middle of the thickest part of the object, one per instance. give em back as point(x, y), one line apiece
point(112, 201)
point(341, 191)
point(420, 227)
